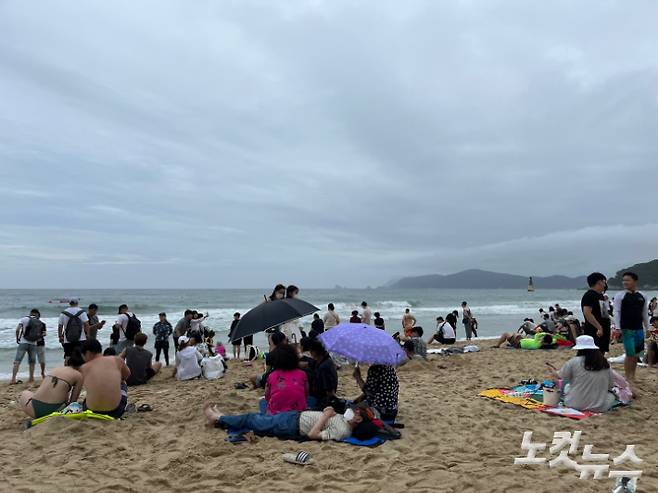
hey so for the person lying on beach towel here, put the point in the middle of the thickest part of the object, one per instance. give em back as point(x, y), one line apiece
point(538, 341)
point(313, 425)
point(57, 390)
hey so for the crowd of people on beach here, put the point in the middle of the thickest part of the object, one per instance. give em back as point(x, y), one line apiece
point(299, 377)
point(587, 381)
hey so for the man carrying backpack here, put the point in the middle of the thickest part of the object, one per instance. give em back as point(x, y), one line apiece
point(126, 328)
point(73, 328)
point(28, 332)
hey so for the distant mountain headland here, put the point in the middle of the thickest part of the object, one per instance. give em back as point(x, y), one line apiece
point(482, 279)
point(647, 272)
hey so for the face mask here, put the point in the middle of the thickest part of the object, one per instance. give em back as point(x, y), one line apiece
point(349, 415)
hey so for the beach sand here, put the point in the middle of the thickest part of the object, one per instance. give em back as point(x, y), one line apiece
point(454, 441)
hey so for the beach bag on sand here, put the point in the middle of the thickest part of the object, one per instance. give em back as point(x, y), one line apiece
point(133, 328)
point(212, 367)
point(621, 388)
point(252, 353)
point(34, 329)
point(73, 329)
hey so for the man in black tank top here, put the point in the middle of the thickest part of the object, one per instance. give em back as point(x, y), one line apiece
point(631, 311)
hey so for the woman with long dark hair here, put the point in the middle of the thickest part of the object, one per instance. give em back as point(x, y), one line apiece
point(278, 293)
point(589, 378)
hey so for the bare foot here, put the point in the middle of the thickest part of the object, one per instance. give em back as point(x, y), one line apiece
point(212, 413)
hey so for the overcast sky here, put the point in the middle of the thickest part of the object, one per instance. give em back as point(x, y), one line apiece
point(239, 144)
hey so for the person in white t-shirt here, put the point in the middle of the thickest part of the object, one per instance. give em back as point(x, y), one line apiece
point(119, 330)
point(366, 318)
point(28, 332)
point(445, 333)
point(188, 360)
point(72, 328)
point(291, 329)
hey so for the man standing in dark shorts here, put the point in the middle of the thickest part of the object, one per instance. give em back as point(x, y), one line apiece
point(595, 311)
point(631, 309)
point(237, 342)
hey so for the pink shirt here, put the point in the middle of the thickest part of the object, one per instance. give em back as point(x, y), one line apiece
point(286, 390)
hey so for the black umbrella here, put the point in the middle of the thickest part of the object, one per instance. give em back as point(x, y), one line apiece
point(271, 314)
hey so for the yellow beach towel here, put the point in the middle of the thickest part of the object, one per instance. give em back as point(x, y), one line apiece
point(499, 395)
point(83, 415)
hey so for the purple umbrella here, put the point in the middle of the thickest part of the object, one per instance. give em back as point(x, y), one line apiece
point(363, 343)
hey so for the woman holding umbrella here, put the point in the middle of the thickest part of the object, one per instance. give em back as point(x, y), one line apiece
point(278, 293)
point(380, 390)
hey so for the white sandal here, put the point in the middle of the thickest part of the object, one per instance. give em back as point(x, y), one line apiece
point(300, 458)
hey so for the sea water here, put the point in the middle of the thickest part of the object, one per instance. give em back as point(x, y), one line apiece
point(496, 310)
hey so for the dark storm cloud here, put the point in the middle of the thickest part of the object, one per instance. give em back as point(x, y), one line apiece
point(180, 144)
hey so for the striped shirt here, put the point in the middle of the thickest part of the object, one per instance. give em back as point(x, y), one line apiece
point(335, 429)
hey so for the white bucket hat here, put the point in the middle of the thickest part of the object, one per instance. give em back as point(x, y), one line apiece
point(585, 342)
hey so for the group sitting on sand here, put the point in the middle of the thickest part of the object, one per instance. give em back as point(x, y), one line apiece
point(103, 378)
point(300, 384)
point(294, 408)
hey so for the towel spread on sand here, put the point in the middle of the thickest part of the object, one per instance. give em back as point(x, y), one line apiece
point(235, 436)
point(511, 397)
point(81, 415)
point(530, 398)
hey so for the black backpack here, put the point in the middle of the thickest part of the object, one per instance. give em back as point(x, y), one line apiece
point(34, 330)
point(73, 329)
point(133, 328)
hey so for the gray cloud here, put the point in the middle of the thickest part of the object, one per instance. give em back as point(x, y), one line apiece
point(219, 144)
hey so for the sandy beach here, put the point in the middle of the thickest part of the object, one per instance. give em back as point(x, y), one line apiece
point(453, 441)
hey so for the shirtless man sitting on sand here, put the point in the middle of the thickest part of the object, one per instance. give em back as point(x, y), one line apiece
point(105, 381)
point(59, 388)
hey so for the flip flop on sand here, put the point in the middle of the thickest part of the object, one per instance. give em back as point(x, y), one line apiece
point(236, 438)
point(241, 386)
point(144, 408)
point(16, 382)
point(301, 458)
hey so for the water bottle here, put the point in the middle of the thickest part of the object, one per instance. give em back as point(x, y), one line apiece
point(625, 485)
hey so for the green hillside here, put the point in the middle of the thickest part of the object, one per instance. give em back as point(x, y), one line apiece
point(647, 271)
